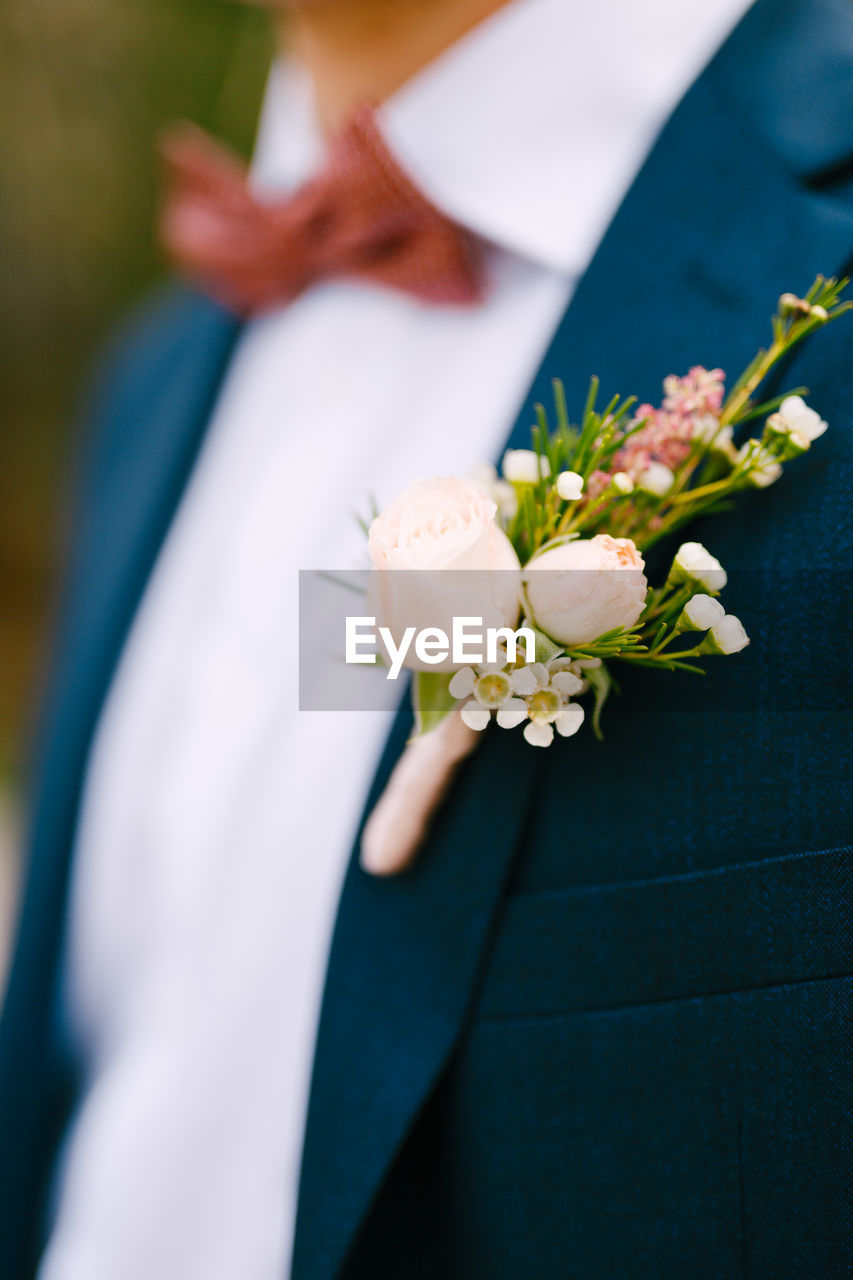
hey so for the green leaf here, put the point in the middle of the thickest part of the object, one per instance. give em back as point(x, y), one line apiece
point(431, 699)
point(601, 683)
point(546, 648)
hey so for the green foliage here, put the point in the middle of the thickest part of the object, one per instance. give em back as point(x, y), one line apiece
point(431, 699)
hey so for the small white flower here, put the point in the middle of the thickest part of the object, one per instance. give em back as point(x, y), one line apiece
point(523, 681)
point(512, 713)
point(585, 664)
point(766, 474)
point(569, 720)
point(540, 696)
point(727, 636)
point(695, 564)
point(487, 668)
point(700, 614)
point(539, 735)
point(708, 429)
point(506, 498)
point(492, 689)
point(569, 486)
point(790, 303)
point(489, 685)
point(535, 693)
point(795, 418)
point(544, 705)
point(656, 479)
point(622, 482)
point(573, 667)
point(761, 468)
point(566, 682)
point(523, 466)
point(485, 478)
point(475, 716)
point(462, 684)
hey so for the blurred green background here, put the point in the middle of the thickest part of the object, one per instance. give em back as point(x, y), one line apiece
point(85, 86)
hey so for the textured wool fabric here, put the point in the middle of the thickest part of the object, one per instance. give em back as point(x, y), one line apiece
point(360, 217)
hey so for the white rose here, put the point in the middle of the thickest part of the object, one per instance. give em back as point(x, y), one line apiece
point(693, 563)
point(445, 529)
point(794, 417)
point(523, 466)
point(580, 590)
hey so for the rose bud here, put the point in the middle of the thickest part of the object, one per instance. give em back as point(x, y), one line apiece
point(580, 590)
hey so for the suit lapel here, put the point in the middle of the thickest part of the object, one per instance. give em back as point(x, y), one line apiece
point(714, 229)
point(148, 437)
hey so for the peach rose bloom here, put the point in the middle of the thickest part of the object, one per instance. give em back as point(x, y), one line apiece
point(583, 588)
point(458, 562)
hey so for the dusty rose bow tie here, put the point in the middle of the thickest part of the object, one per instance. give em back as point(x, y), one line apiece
point(360, 217)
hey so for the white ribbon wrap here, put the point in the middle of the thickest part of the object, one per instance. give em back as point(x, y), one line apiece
point(398, 824)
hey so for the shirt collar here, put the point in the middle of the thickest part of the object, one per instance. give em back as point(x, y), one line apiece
point(531, 128)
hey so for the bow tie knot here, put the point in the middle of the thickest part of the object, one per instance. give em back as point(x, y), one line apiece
point(362, 217)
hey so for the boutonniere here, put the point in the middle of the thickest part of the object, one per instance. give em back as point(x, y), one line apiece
point(513, 596)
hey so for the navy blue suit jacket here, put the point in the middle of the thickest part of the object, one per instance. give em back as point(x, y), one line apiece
point(602, 1029)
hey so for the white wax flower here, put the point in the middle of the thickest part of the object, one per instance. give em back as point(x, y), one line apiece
point(485, 478)
point(506, 498)
point(567, 682)
point(794, 417)
point(569, 720)
point(701, 613)
point(622, 482)
point(762, 468)
point(512, 713)
point(765, 474)
point(524, 681)
point(656, 479)
point(492, 689)
point(524, 466)
point(708, 428)
point(475, 716)
point(569, 486)
point(533, 695)
point(727, 636)
point(539, 735)
point(694, 563)
point(462, 683)
point(584, 588)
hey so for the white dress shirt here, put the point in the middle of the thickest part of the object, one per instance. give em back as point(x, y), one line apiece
point(217, 819)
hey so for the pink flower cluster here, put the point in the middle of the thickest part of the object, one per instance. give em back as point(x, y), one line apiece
point(690, 404)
